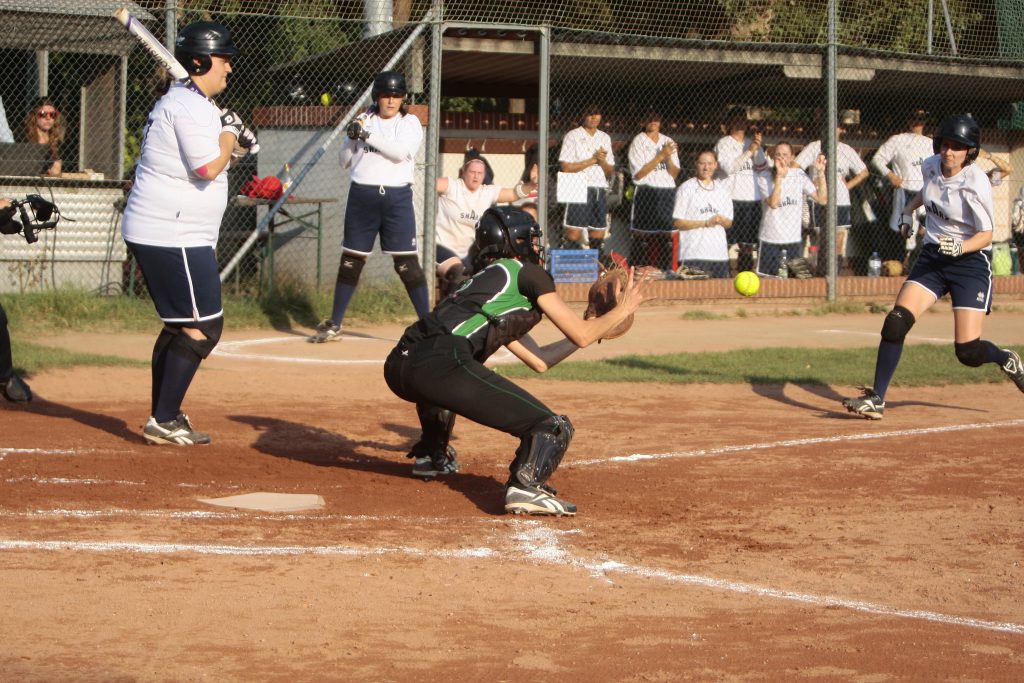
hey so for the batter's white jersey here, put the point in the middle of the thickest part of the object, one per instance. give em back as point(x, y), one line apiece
point(904, 153)
point(848, 164)
point(960, 206)
point(388, 157)
point(740, 169)
point(696, 202)
point(458, 211)
point(641, 150)
point(579, 145)
point(783, 225)
point(169, 205)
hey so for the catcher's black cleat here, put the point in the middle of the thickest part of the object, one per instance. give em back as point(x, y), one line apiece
point(177, 432)
point(536, 500)
point(16, 390)
point(427, 467)
point(868, 405)
point(1014, 369)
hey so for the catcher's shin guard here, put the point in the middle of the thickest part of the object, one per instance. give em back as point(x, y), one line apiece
point(541, 449)
point(432, 453)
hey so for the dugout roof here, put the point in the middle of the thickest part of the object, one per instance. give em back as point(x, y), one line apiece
point(82, 26)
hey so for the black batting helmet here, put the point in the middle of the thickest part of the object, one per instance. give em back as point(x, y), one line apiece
point(196, 42)
point(507, 232)
point(962, 128)
point(388, 82)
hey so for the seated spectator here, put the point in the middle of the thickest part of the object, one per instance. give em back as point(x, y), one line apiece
point(703, 214)
point(44, 125)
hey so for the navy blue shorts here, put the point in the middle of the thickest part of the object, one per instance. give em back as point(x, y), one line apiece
point(967, 279)
point(746, 222)
point(378, 210)
point(184, 282)
point(769, 256)
point(843, 216)
point(593, 215)
point(652, 208)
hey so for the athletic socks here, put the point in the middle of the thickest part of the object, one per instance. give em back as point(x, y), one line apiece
point(179, 367)
point(885, 366)
point(342, 297)
point(420, 298)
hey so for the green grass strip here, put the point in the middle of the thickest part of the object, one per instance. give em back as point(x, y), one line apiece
point(32, 358)
point(921, 365)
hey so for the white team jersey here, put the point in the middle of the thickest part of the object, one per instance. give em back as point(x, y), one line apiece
point(905, 153)
point(695, 202)
point(784, 224)
point(579, 145)
point(740, 170)
point(848, 164)
point(370, 167)
point(642, 150)
point(170, 206)
point(458, 211)
point(960, 206)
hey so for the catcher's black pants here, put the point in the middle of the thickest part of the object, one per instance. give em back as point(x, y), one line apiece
point(6, 363)
point(440, 371)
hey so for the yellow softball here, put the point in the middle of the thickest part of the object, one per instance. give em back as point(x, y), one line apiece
point(747, 283)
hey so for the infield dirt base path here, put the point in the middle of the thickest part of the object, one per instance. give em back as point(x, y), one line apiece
point(758, 532)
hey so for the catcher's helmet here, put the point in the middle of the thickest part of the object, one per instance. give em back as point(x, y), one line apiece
point(962, 128)
point(200, 40)
point(507, 232)
point(388, 82)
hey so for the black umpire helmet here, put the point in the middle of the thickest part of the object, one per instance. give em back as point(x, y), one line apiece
point(196, 42)
point(388, 82)
point(507, 232)
point(962, 128)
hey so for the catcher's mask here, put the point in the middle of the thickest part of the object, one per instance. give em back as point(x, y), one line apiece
point(506, 232)
point(963, 129)
point(198, 42)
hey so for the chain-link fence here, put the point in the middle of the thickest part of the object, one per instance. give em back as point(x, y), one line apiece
point(659, 128)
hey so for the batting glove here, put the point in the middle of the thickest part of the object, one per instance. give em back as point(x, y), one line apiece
point(356, 131)
point(951, 246)
point(230, 122)
point(906, 226)
point(246, 142)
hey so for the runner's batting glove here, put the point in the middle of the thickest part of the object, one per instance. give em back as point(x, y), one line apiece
point(356, 131)
point(230, 122)
point(951, 246)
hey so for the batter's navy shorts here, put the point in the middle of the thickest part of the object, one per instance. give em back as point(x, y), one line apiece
point(746, 222)
point(769, 256)
point(967, 279)
point(383, 210)
point(652, 208)
point(183, 282)
point(843, 216)
point(593, 215)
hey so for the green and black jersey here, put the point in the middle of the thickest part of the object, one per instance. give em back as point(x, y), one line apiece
point(494, 307)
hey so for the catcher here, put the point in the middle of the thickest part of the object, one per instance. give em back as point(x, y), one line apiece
point(438, 362)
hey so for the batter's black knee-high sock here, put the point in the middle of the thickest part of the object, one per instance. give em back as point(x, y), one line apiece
point(180, 366)
point(420, 298)
point(885, 366)
point(342, 296)
point(163, 341)
point(994, 354)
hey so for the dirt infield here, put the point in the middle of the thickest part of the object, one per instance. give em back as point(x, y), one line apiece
point(725, 532)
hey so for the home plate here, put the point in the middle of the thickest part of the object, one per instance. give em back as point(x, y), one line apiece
point(269, 502)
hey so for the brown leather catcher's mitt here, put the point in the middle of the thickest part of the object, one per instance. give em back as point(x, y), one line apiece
point(604, 296)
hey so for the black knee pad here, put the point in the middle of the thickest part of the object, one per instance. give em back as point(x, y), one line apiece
point(972, 353)
point(201, 348)
point(409, 272)
point(541, 449)
point(349, 269)
point(897, 324)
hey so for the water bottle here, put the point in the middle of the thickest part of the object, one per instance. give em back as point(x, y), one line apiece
point(783, 267)
point(286, 180)
point(874, 265)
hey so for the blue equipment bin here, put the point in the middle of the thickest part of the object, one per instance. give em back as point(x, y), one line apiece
point(573, 265)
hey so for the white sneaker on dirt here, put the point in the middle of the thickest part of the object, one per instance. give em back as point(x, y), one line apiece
point(325, 332)
point(177, 432)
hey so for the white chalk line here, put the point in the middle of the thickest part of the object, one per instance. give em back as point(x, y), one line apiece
point(535, 542)
point(235, 349)
point(788, 443)
point(36, 479)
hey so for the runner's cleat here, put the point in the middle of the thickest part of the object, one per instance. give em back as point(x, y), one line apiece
point(536, 500)
point(1014, 369)
point(177, 432)
point(325, 332)
point(868, 405)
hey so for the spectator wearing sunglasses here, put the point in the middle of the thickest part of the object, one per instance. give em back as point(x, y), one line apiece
point(45, 126)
